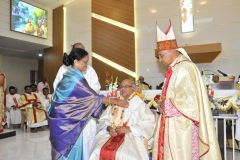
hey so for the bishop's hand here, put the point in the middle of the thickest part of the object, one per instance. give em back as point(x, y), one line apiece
point(161, 106)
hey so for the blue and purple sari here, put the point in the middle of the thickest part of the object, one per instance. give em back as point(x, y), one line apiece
point(73, 102)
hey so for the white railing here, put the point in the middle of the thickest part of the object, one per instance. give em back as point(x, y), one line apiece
point(225, 117)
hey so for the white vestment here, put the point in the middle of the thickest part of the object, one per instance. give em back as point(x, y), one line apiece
point(141, 121)
point(89, 131)
point(45, 101)
point(13, 116)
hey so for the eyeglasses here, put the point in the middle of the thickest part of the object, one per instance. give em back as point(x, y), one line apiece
point(127, 86)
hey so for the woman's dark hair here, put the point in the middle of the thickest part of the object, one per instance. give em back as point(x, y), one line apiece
point(76, 53)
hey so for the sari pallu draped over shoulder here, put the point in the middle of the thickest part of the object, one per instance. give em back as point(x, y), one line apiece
point(73, 102)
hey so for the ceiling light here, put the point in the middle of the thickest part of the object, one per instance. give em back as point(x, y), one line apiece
point(114, 65)
point(40, 55)
point(153, 11)
point(113, 22)
point(203, 2)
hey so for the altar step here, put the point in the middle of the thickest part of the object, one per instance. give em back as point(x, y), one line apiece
point(7, 133)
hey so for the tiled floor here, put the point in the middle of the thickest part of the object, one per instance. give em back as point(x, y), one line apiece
point(36, 146)
point(230, 154)
point(26, 146)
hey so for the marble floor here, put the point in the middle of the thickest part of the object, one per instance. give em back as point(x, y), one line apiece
point(36, 146)
point(26, 146)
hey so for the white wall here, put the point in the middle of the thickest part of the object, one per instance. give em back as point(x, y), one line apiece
point(78, 25)
point(17, 71)
point(5, 24)
point(217, 21)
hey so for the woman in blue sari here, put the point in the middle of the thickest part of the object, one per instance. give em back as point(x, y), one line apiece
point(73, 102)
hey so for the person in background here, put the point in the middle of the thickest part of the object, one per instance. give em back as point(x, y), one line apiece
point(34, 90)
point(215, 78)
point(90, 75)
point(42, 84)
point(32, 110)
point(13, 114)
point(143, 85)
point(45, 98)
point(16, 90)
point(3, 109)
point(125, 128)
point(160, 85)
point(186, 129)
point(73, 102)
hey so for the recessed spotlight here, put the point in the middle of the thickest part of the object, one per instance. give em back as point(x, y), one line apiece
point(40, 55)
point(153, 11)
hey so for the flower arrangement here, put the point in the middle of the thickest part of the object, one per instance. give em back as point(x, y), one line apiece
point(108, 79)
point(207, 80)
point(211, 100)
point(113, 89)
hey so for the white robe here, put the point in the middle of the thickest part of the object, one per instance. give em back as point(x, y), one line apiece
point(141, 122)
point(89, 131)
point(45, 102)
point(13, 116)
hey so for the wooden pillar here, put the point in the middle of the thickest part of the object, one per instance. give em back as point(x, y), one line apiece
point(53, 56)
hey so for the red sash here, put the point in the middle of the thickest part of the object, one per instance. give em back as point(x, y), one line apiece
point(161, 139)
point(29, 101)
point(163, 119)
point(15, 101)
point(35, 115)
point(109, 149)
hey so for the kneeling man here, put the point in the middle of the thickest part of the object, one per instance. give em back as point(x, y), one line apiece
point(123, 131)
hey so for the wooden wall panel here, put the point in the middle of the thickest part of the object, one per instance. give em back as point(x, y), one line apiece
point(40, 70)
point(113, 43)
point(53, 56)
point(100, 68)
point(119, 10)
